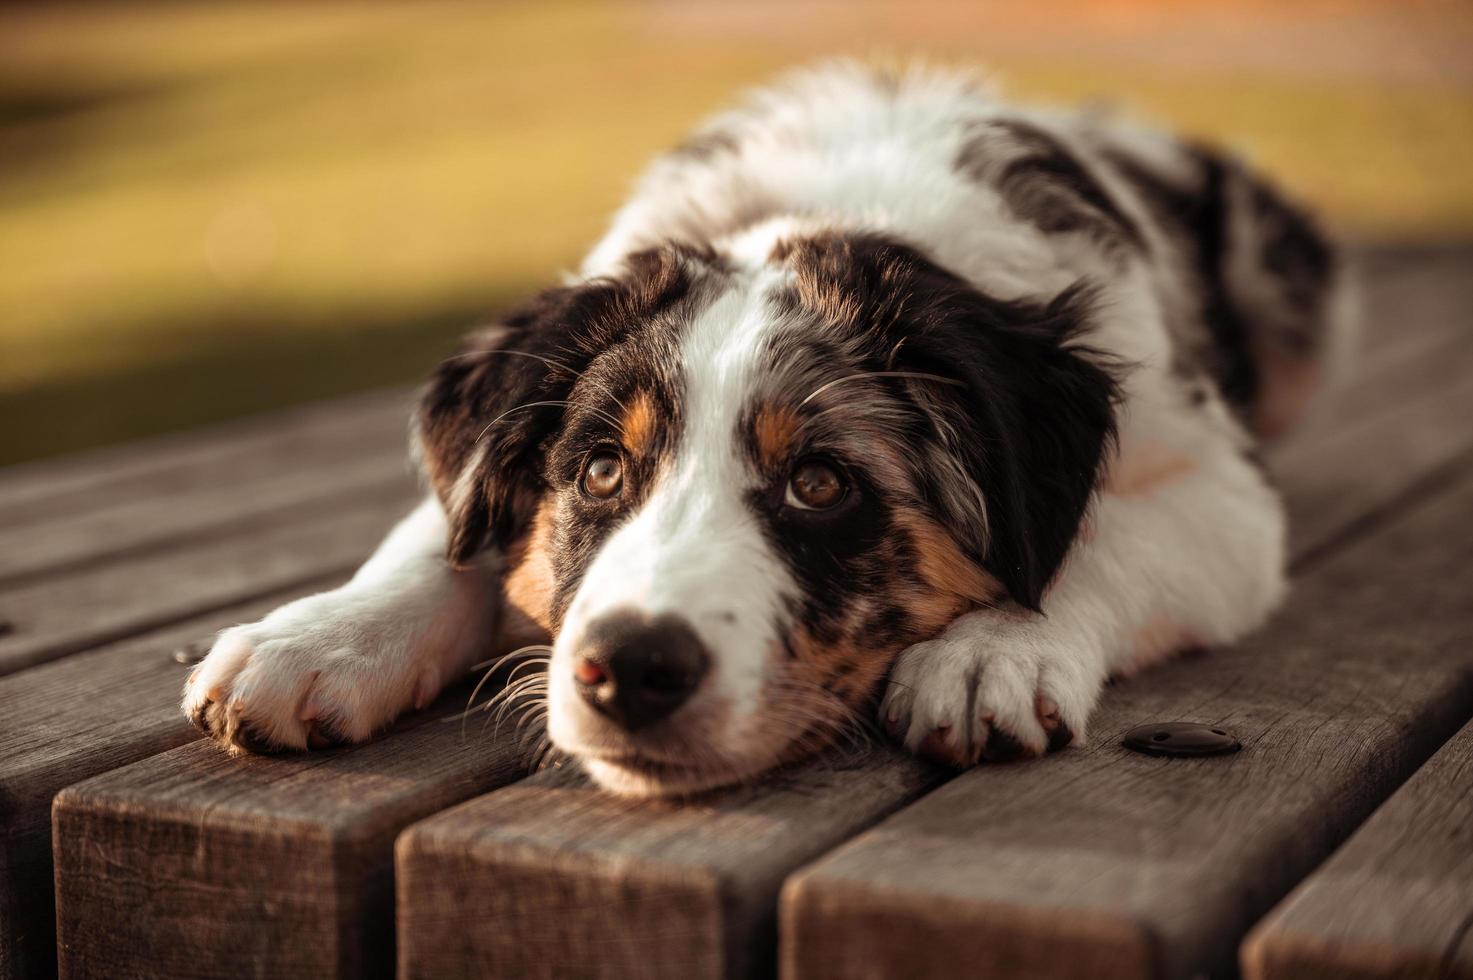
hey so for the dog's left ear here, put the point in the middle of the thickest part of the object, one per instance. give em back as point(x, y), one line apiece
point(490, 411)
point(482, 416)
point(1025, 431)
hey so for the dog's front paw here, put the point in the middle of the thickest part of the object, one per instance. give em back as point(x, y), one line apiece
point(995, 686)
point(317, 672)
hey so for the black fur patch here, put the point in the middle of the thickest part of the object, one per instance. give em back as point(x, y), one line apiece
point(1294, 253)
point(1024, 422)
point(1236, 370)
point(1229, 222)
point(1044, 183)
point(836, 556)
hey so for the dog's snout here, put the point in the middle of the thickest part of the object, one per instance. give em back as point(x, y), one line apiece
point(636, 670)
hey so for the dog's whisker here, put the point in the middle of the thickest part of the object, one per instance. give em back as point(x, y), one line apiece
point(471, 700)
point(549, 403)
point(490, 672)
point(532, 711)
point(519, 704)
point(552, 403)
point(509, 352)
point(530, 735)
point(551, 362)
point(538, 665)
point(863, 375)
point(511, 696)
point(495, 662)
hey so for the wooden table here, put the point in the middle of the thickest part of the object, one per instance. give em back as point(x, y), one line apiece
point(1339, 842)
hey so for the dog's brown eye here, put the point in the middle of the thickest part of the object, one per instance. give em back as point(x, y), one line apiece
point(603, 475)
point(815, 486)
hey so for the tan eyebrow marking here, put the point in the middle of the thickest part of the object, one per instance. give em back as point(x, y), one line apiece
point(637, 427)
point(775, 428)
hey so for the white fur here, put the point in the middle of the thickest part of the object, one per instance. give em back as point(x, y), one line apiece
point(831, 146)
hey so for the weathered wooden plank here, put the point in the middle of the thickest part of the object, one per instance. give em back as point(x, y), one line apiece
point(195, 864)
point(167, 518)
point(132, 538)
point(1396, 900)
point(554, 878)
point(217, 456)
point(203, 522)
point(67, 721)
point(1424, 287)
point(1103, 862)
point(1410, 390)
point(1366, 467)
point(264, 553)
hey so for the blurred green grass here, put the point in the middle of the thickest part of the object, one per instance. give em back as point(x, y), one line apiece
point(207, 210)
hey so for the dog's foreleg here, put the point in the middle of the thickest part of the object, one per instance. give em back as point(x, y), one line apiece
point(339, 665)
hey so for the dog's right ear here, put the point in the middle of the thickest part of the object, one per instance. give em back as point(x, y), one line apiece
point(491, 410)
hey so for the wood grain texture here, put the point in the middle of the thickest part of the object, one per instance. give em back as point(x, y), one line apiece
point(1385, 456)
point(213, 456)
point(1103, 862)
point(195, 864)
point(168, 517)
point(65, 722)
point(1396, 900)
point(553, 878)
point(263, 554)
point(1426, 285)
point(1401, 414)
point(141, 537)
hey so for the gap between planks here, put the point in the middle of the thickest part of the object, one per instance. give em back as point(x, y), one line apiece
point(204, 457)
point(1396, 900)
point(57, 617)
point(67, 721)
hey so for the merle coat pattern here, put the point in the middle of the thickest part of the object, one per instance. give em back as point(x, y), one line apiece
point(880, 395)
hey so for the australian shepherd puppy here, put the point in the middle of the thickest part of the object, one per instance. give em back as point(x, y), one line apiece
point(879, 395)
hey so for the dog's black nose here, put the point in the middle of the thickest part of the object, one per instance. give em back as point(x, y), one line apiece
point(636, 670)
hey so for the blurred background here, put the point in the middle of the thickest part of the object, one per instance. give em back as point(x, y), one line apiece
point(208, 210)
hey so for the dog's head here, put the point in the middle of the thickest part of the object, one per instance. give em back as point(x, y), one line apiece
point(734, 491)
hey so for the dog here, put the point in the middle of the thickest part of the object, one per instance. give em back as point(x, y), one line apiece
point(879, 395)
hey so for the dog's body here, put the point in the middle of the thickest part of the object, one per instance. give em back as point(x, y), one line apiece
point(877, 377)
